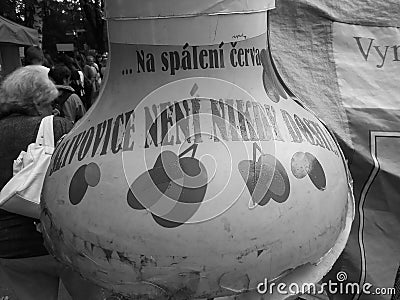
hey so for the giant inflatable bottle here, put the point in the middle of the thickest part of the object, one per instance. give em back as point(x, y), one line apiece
point(197, 173)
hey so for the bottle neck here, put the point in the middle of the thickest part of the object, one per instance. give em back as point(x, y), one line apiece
point(152, 52)
point(145, 9)
point(200, 30)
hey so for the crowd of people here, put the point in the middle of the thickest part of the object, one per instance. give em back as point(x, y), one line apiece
point(65, 87)
point(82, 74)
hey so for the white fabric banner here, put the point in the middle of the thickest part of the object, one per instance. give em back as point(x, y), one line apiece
point(368, 65)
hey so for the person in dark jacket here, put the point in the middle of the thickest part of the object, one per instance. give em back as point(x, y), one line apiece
point(68, 102)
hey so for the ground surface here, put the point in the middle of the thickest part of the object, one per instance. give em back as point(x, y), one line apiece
point(7, 294)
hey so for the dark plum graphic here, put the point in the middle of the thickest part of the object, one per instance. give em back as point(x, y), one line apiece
point(265, 178)
point(86, 175)
point(172, 190)
point(316, 173)
point(304, 164)
point(78, 186)
point(272, 86)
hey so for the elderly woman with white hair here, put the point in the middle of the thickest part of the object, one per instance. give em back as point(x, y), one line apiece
point(26, 267)
point(26, 97)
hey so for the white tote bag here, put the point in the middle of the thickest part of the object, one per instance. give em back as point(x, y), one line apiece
point(22, 193)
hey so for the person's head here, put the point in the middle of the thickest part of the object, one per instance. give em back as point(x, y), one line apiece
point(48, 61)
point(90, 60)
point(103, 60)
point(75, 75)
point(27, 90)
point(34, 56)
point(60, 75)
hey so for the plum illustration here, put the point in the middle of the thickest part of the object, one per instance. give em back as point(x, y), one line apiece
point(92, 174)
point(303, 164)
point(265, 178)
point(300, 165)
point(85, 176)
point(316, 172)
point(150, 186)
point(172, 190)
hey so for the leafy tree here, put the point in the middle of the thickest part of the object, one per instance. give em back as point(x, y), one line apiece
point(12, 9)
point(93, 12)
point(61, 21)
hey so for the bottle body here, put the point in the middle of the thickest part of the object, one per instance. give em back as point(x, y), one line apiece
point(195, 174)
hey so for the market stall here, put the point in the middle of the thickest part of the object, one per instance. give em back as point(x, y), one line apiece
point(13, 36)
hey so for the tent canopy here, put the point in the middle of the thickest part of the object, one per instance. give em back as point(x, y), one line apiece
point(14, 33)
